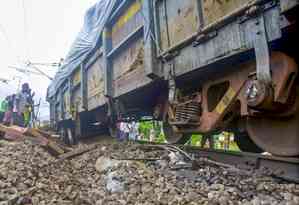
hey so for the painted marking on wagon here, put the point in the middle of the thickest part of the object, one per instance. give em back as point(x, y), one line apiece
point(128, 15)
point(225, 101)
point(77, 77)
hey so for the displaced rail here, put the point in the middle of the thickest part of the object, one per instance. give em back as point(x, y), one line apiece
point(278, 167)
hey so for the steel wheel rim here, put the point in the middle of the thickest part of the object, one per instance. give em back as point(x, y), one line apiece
point(173, 137)
point(276, 136)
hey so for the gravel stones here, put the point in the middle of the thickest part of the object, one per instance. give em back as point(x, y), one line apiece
point(29, 175)
point(103, 164)
point(114, 183)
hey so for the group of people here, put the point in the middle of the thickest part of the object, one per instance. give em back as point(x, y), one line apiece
point(219, 141)
point(17, 109)
point(127, 131)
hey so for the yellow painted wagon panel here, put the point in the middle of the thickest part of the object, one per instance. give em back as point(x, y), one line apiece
point(127, 16)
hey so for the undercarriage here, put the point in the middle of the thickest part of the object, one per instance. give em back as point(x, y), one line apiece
point(267, 113)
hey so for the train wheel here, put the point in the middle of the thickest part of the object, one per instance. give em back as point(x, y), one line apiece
point(63, 134)
point(70, 136)
point(278, 136)
point(67, 136)
point(245, 144)
point(173, 137)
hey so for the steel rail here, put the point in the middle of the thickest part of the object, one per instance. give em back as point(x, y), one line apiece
point(286, 168)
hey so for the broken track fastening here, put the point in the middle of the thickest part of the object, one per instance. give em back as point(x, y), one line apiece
point(279, 167)
point(195, 162)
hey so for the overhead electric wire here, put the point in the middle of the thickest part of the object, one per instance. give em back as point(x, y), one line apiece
point(27, 51)
point(25, 71)
point(46, 64)
point(41, 72)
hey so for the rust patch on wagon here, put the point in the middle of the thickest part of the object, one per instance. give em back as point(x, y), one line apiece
point(183, 21)
point(129, 70)
point(183, 25)
point(129, 60)
point(216, 9)
point(95, 78)
point(95, 86)
point(133, 80)
point(137, 62)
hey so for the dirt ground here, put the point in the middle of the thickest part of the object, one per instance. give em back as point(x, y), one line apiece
point(126, 173)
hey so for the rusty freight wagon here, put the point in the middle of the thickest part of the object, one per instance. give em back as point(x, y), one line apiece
point(200, 66)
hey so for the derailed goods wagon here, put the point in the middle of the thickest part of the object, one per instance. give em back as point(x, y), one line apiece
point(199, 66)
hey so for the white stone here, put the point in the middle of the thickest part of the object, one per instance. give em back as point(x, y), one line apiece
point(103, 164)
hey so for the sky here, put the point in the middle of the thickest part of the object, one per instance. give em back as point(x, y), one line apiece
point(39, 31)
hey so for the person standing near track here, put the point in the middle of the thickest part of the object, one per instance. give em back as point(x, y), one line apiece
point(210, 139)
point(23, 106)
point(133, 131)
point(3, 108)
point(7, 120)
point(123, 131)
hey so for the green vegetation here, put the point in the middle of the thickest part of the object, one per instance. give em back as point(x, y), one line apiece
point(234, 147)
point(146, 127)
point(195, 140)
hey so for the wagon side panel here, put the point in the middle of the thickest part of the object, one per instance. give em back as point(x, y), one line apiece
point(95, 85)
point(126, 52)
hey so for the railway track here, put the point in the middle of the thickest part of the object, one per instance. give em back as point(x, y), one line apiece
point(278, 167)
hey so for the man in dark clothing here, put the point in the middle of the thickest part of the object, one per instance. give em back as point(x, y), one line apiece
point(23, 106)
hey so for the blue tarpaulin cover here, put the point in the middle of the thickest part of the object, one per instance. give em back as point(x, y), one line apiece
point(85, 42)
